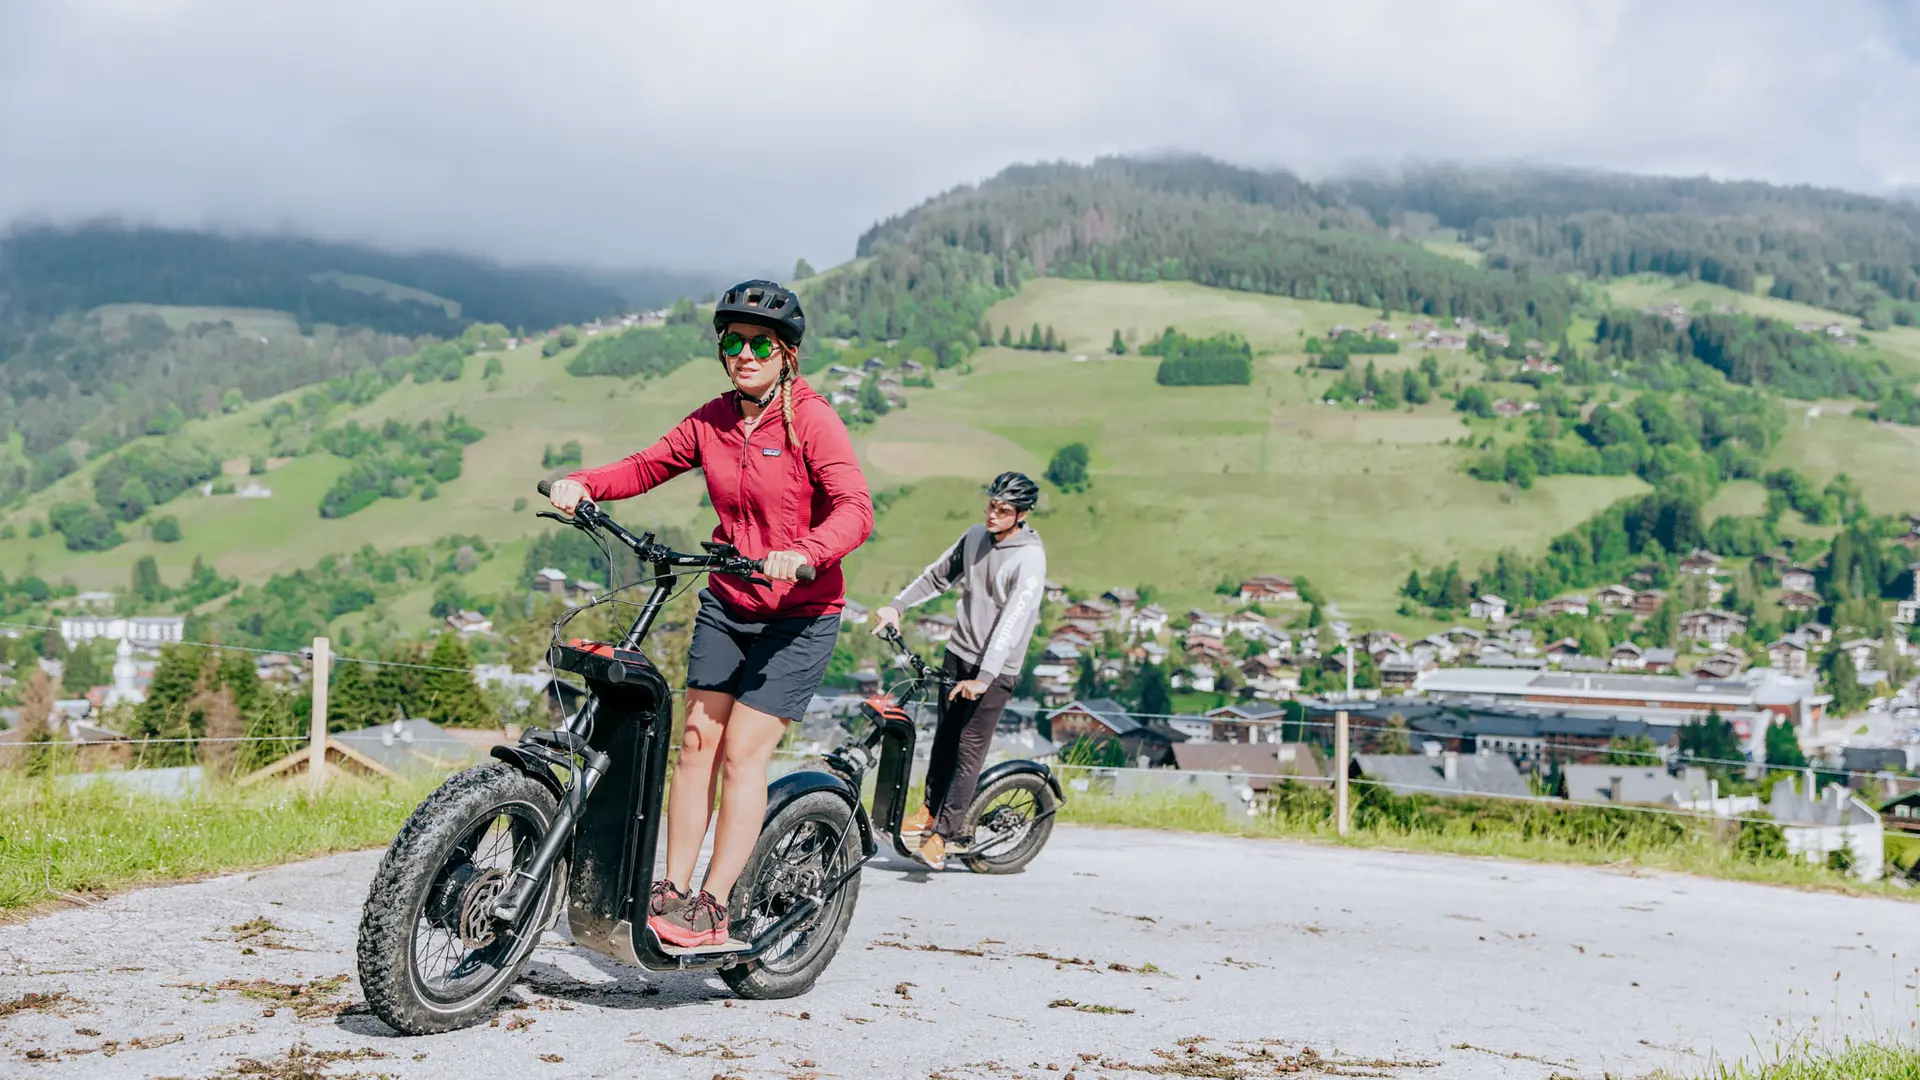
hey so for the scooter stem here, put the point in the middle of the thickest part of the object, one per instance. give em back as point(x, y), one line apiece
point(527, 880)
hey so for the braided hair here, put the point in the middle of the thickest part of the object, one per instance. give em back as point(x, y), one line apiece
point(789, 371)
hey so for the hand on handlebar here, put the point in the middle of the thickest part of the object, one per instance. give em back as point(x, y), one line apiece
point(783, 565)
point(885, 619)
point(565, 495)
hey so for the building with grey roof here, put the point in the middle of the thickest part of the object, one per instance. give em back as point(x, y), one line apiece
point(1650, 785)
point(1445, 773)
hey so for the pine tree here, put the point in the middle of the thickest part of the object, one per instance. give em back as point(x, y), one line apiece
point(1006, 338)
point(1033, 337)
point(1412, 588)
point(1086, 683)
point(1154, 696)
point(399, 687)
point(146, 580)
point(1119, 347)
point(450, 696)
point(350, 700)
point(1783, 747)
point(1048, 343)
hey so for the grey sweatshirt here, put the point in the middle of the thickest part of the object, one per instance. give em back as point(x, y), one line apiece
point(1001, 586)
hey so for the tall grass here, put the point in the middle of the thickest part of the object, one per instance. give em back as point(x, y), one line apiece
point(1852, 1060)
point(1749, 851)
point(57, 839)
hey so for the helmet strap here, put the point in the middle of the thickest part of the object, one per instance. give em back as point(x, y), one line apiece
point(773, 392)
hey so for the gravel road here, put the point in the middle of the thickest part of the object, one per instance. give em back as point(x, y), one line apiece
point(1273, 954)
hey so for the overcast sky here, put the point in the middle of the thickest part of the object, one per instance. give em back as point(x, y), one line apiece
point(629, 133)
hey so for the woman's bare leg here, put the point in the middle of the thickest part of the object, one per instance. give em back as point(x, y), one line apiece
point(746, 747)
point(690, 796)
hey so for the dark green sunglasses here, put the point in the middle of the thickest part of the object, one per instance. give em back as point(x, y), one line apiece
point(731, 343)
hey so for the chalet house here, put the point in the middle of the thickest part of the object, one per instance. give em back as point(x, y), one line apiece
point(1074, 634)
point(1246, 724)
point(1247, 625)
point(1489, 607)
point(1816, 825)
point(1205, 623)
point(1645, 576)
point(550, 580)
point(1659, 661)
point(1124, 601)
point(1566, 605)
point(1403, 672)
point(1061, 652)
point(873, 363)
point(1701, 561)
point(912, 368)
point(1205, 643)
point(1445, 773)
point(1054, 592)
point(469, 622)
point(1721, 665)
point(1815, 633)
point(1149, 621)
point(1649, 785)
point(1800, 601)
point(1198, 677)
point(1902, 814)
point(854, 613)
point(1788, 654)
point(1712, 625)
point(1443, 650)
point(1463, 637)
point(1104, 720)
point(1861, 651)
point(1260, 766)
point(1098, 611)
point(1559, 651)
point(1627, 656)
point(1267, 587)
point(1540, 365)
point(1647, 602)
point(1797, 579)
point(1908, 610)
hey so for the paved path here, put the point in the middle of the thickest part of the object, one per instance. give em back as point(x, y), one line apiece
point(1488, 969)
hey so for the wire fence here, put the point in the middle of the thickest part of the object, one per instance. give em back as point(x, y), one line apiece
point(1650, 759)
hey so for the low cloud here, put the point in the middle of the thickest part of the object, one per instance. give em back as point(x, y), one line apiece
point(693, 135)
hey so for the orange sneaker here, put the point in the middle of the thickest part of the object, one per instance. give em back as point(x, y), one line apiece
point(699, 922)
point(920, 822)
point(933, 851)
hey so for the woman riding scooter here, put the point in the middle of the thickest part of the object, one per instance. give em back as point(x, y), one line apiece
point(796, 498)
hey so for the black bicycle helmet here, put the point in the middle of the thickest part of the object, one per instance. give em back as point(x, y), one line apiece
point(764, 303)
point(1015, 489)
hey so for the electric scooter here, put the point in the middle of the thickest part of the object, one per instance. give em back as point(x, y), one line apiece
point(1012, 812)
point(477, 874)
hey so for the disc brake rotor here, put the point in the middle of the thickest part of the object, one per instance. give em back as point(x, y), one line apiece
point(476, 927)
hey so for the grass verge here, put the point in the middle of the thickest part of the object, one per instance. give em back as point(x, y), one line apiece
point(1494, 828)
point(1852, 1060)
point(57, 843)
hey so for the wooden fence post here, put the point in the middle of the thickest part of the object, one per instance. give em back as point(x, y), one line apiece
point(1340, 771)
point(317, 745)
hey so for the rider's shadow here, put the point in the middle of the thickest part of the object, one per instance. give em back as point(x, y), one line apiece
point(623, 988)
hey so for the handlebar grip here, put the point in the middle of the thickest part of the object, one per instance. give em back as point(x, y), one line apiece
point(544, 487)
point(805, 573)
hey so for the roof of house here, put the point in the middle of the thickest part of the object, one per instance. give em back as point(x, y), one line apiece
point(1254, 759)
point(1107, 711)
point(1638, 784)
point(411, 746)
point(1413, 774)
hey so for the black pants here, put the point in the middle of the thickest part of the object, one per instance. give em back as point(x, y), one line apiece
point(960, 746)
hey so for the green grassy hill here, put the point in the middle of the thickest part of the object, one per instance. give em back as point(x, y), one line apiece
point(1190, 484)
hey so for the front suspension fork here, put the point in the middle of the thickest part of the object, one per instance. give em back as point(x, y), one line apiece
point(593, 765)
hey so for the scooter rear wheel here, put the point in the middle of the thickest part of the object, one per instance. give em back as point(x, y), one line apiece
point(809, 844)
point(431, 957)
point(1010, 822)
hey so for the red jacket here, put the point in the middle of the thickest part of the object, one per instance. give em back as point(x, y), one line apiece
point(768, 496)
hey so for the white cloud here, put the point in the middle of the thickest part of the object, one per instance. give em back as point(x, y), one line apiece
point(628, 133)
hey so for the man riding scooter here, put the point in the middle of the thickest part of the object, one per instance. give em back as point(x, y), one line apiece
point(1002, 567)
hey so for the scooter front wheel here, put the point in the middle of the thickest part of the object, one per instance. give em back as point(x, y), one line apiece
point(432, 958)
point(807, 846)
point(1010, 821)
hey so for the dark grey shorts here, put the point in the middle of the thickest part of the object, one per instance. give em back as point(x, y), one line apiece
point(774, 666)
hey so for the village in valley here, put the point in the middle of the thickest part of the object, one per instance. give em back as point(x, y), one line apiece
point(1492, 706)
